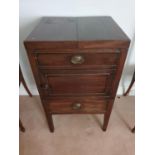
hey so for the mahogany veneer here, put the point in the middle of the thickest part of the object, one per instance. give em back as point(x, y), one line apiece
point(77, 64)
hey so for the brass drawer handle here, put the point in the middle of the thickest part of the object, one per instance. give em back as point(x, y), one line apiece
point(77, 59)
point(76, 106)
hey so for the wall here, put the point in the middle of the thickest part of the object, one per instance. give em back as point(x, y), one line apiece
point(32, 10)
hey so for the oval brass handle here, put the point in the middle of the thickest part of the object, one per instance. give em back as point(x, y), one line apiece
point(76, 106)
point(77, 59)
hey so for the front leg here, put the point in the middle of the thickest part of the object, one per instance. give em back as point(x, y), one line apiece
point(107, 115)
point(48, 116)
point(50, 121)
point(106, 121)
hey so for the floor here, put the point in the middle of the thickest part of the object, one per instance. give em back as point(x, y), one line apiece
point(77, 134)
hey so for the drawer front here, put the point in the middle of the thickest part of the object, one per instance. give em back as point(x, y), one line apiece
point(76, 84)
point(81, 59)
point(76, 105)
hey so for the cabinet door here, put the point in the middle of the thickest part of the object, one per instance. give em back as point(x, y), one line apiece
point(77, 84)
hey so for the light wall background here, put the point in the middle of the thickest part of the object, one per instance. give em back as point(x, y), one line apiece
point(31, 11)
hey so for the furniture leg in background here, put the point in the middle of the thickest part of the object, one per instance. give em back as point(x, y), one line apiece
point(133, 130)
point(21, 80)
point(130, 86)
point(128, 90)
point(21, 126)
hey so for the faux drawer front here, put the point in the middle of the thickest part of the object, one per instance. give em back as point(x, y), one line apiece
point(75, 84)
point(81, 59)
point(77, 105)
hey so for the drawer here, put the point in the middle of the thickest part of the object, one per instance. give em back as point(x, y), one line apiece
point(76, 105)
point(81, 59)
point(76, 84)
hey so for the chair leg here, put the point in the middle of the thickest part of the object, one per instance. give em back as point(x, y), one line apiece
point(25, 86)
point(21, 126)
point(130, 86)
point(21, 79)
point(133, 130)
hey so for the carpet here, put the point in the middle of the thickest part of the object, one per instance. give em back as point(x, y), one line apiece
point(77, 134)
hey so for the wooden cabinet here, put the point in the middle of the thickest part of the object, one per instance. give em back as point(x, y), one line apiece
point(77, 64)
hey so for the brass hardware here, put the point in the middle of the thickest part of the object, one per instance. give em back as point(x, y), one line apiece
point(77, 59)
point(76, 106)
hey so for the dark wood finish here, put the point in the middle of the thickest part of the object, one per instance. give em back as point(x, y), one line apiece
point(76, 83)
point(77, 64)
point(49, 120)
point(126, 93)
point(77, 28)
point(55, 29)
point(122, 58)
point(99, 28)
point(64, 60)
point(130, 86)
point(88, 104)
point(21, 80)
point(133, 130)
point(21, 126)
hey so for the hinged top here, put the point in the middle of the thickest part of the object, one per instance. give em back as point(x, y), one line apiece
point(77, 29)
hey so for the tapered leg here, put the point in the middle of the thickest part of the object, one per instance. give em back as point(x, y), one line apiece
point(21, 126)
point(106, 121)
point(130, 86)
point(50, 122)
point(48, 116)
point(107, 115)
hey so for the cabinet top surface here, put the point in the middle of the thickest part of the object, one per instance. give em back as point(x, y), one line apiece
point(77, 29)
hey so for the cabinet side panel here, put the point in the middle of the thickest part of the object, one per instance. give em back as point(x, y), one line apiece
point(122, 58)
point(33, 65)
